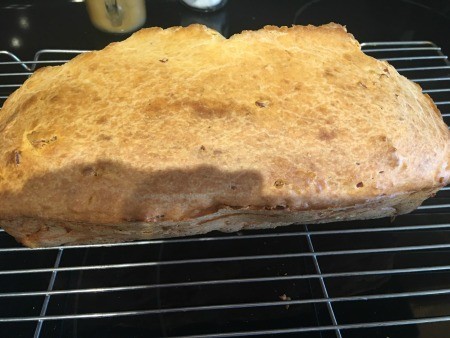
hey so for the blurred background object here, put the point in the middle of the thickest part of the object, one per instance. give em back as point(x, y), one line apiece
point(205, 5)
point(217, 20)
point(28, 26)
point(117, 16)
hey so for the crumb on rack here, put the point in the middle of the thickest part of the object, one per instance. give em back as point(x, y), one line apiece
point(285, 298)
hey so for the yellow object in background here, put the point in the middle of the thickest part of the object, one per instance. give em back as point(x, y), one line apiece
point(117, 16)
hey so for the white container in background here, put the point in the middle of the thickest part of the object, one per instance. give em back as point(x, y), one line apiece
point(205, 5)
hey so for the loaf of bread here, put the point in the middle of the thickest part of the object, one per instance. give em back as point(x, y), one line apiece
point(181, 131)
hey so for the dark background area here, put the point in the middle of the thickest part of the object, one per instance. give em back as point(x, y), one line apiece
point(28, 26)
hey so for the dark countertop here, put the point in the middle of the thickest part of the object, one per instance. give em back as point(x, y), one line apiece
point(28, 26)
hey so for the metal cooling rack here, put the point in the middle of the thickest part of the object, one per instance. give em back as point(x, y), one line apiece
point(373, 278)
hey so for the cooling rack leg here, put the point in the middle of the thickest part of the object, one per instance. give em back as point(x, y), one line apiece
point(37, 331)
point(322, 283)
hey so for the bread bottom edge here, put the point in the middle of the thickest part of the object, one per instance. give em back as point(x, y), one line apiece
point(37, 232)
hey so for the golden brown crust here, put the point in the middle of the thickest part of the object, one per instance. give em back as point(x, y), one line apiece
point(178, 124)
